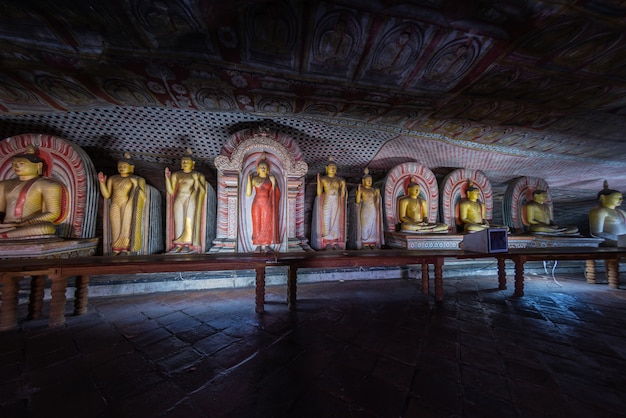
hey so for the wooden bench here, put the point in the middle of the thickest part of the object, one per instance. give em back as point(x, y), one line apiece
point(365, 258)
point(520, 256)
point(59, 269)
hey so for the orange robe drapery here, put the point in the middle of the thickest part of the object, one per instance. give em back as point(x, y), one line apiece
point(265, 224)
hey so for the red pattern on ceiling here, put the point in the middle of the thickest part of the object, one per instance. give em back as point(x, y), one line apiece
point(508, 87)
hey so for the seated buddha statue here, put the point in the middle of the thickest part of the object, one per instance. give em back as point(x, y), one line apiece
point(606, 220)
point(31, 205)
point(539, 217)
point(413, 213)
point(473, 212)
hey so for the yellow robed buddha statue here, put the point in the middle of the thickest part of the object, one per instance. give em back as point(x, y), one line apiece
point(606, 220)
point(331, 199)
point(126, 196)
point(413, 213)
point(473, 212)
point(186, 192)
point(31, 205)
point(539, 217)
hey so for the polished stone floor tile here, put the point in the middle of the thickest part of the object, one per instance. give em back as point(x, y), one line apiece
point(377, 348)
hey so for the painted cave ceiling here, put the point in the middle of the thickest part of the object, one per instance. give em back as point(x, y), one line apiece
point(509, 87)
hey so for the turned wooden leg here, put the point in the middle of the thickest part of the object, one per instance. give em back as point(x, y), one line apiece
point(35, 302)
point(292, 286)
point(590, 271)
point(501, 273)
point(57, 299)
point(425, 279)
point(519, 275)
point(260, 290)
point(80, 295)
point(612, 272)
point(439, 280)
point(8, 308)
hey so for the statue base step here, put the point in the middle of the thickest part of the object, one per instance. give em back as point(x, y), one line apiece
point(50, 247)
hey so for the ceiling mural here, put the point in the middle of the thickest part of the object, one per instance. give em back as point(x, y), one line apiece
point(512, 88)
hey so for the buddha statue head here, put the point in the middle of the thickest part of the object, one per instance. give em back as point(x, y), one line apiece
point(366, 180)
point(331, 167)
point(187, 163)
point(540, 196)
point(28, 164)
point(610, 198)
point(125, 166)
point(472, 192)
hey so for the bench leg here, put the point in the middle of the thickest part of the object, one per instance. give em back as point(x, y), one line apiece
point(519, 276)
point(8, 308)
point(57, 299)
point(501, 273)
point(80, 295)
point(590, 271)
point(612, 272)
point(292, 285)
point(260, 290)
point(425, 279)
point(439, 280)
point(35, 302)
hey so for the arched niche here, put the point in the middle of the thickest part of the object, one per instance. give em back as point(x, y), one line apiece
point(454, 188)
point(68, 164)
point(240, 157)
point(518, 192)
point(396, 184)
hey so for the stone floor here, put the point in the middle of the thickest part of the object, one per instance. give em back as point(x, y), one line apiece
point(376, 348)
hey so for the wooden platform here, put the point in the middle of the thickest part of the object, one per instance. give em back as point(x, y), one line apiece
point(57, 270)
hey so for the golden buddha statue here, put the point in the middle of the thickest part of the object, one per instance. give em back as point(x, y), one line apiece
point(186, 192)
point(265, 207)
point(413, 213)
point(606, 220)
point(331, 193)
point(127, 194)
point(473, 212)
point(370, 232)
point(30, 205)
point(539, 217)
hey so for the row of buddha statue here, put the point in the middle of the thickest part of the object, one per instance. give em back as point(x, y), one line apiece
point(32, 204)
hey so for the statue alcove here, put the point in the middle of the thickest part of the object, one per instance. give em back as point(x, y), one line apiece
point(396, 183)
point(454, 189)
point(68, 164)
point(518, 192)
point(240, 157)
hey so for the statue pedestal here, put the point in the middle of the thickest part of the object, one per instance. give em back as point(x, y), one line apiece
point(547, 241)
point(52, 247)
point(408, 241)
point(418, 241)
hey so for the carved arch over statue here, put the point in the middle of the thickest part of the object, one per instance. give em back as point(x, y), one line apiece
point(240, 156)
point(71, 166)
point(454, 188)
point(396, 183)
point(518, 192)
